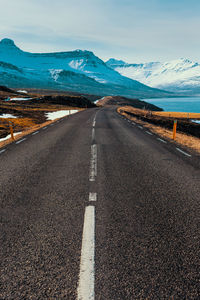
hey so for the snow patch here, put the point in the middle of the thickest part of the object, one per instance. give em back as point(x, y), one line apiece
point(95, 102)
point(9, 136)
point(7, 116)
point(22, 91)
point(20, 99)
point(55, 73)
point(196, 121)
point(76, 64)
point(59, 114)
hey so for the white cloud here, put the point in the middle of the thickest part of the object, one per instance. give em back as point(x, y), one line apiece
point(130, 29)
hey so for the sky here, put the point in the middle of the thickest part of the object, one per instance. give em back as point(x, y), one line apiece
point(132, 30)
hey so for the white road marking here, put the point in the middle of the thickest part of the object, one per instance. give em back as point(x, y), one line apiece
point(36, 132)
point(2, 151)
point(183, 152)
point(85, 289)
point(133, 123)
point(44, 128)
point(94, 120)
point(93, 163)
point(93, 133)
point(20, 141)
point(93, 197)
point(161, 140)
point(51, 124)
point(148, 132)
point(140, 127)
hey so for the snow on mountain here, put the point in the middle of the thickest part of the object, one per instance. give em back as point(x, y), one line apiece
point(78, 70)
point(180, 75)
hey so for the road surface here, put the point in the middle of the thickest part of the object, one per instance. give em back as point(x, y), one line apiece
point(95, 207)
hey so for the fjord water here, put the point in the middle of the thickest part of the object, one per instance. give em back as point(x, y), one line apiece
point(181, 104)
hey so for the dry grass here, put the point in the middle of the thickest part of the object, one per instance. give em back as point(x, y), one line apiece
point(181, 138)
point(178, 115)
point(16, 122)
point(37, 107)
point(27, 130)
point(35, 120)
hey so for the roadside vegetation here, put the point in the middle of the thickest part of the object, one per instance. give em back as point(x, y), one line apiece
point(29, 115)
point(161, 123)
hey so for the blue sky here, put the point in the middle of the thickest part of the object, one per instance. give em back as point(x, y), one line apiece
point(132, 30)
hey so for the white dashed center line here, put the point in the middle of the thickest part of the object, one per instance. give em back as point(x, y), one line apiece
point(93, 197)
point(44, 128)
point(18, 142)
point(183, 152)
point(93, 133)
point(85, 289)
point(93, 163)
point(140, 127)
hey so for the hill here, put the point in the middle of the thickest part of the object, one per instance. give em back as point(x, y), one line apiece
point(123, 101)
point(178, 76)
point(78, 71)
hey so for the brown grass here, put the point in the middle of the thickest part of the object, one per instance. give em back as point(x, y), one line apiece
point(178, 115)
point(35, 118)
point(26, 131)
point(37, 107)
point(181, 138)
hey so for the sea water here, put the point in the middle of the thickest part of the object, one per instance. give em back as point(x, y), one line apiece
point(181, 104)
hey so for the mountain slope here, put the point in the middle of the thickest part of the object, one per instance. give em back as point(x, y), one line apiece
point(180, 75)
point(78, 70)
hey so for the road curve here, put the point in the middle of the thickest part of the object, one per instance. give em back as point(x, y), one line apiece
point(95, 207)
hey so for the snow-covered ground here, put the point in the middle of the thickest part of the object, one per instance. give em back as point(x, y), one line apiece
point(181, 75)
point(59, 114)
point(95, 102)
point(7, 116)
point(196, 121)
point(9, 136)
point(20, 99)
point(22, 91)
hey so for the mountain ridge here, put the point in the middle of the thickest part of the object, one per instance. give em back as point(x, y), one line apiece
point(178, 76)
point(62, 70)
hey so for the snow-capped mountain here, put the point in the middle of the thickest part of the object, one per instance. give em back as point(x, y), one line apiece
point(180, 75)
point(77, 70)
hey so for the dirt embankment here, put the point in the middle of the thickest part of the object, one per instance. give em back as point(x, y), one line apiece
point(160, 119)
point(188, 133)
point(123, 101)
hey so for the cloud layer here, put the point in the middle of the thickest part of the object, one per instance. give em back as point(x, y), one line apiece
point(133, 30)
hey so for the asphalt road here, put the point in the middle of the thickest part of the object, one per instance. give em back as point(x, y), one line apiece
point(96, 207)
